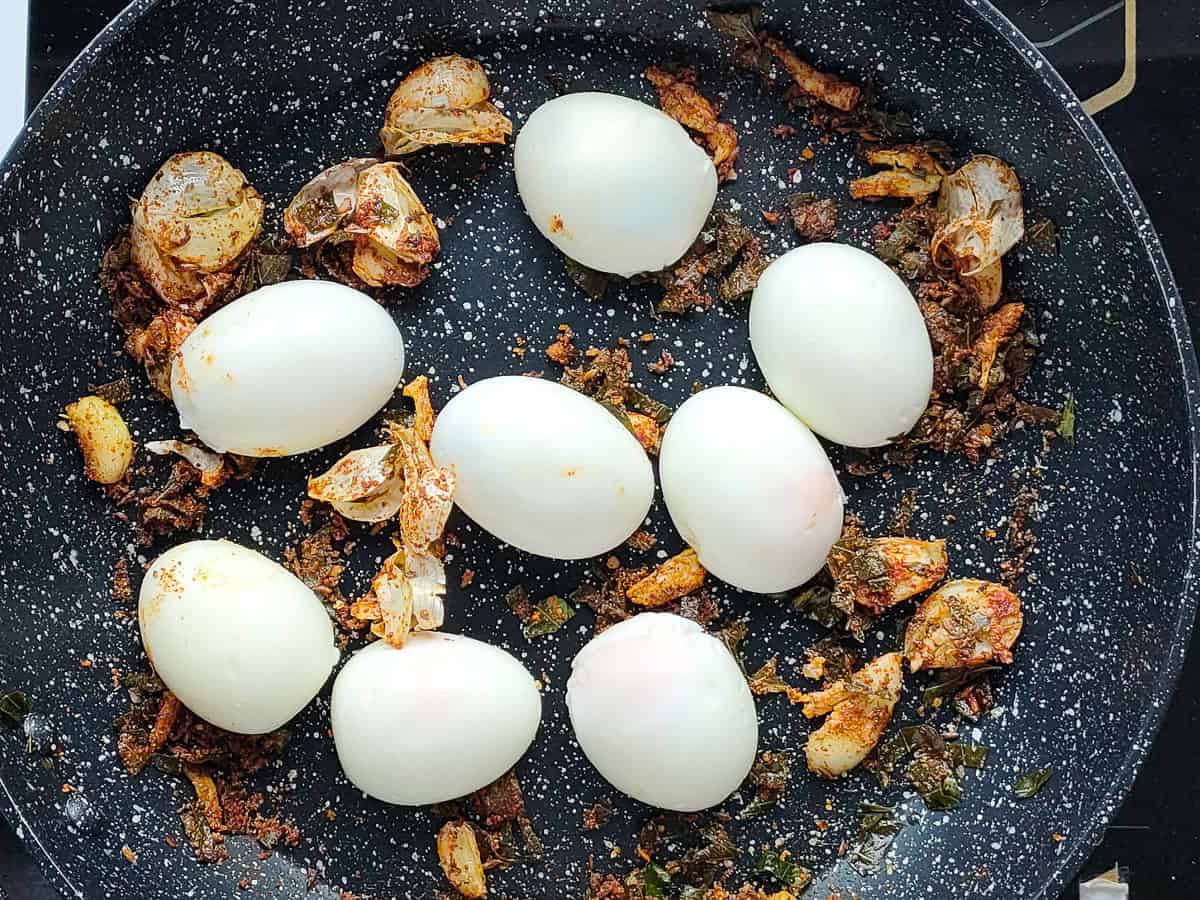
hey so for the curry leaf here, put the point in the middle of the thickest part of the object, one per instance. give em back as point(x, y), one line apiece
point(548, 616)
point(14, 707)
point(970, 756)
point(1066, 420)
point(656, 880)
point(1030, 784)
point(950, 681)
point(781, 868)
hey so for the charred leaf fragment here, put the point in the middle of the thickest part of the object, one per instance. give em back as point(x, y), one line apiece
point(14, 707)
point(741, 25)
point(814, 219)
point(769, 777)
point(591, 282)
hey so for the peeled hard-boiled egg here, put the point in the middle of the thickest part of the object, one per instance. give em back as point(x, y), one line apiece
point(750, 488)
point(613, 183)
point(842, 343)
point(543, 467)
point(239, 639)
point(287, 368)
point(436, 719)
point(661, 709)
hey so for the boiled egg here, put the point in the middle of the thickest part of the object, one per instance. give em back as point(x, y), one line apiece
point(842, 343)
point(750, 488)
point(661, 709)
point(286, 369)
point(239, 639)
point(436, 719)
point(543, 467)
point(613, 183)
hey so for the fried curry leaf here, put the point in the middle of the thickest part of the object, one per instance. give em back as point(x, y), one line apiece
point(647, 405)
point(907, 740)
point(593, 283)
point(115, 392)
point(816, 602)
point(780, 867)
point(875, 818)
point(1066, 420)
point(901, 522)
point(759, 806)
point(741, 24)
point(877, 829)
point(142, 682)
point(14, 707)
point(769, 775)
point(732, 636)
point(767, 680)
point(707, 863)
point(814, 219)
point(1031, 784)
point(656, 879)
point(1043, 235)
point(950, 681)
point(932, 776)
point(548, 616)
point(837, 661)
point(969, 756)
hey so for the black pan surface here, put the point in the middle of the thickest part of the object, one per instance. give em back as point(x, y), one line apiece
point(284, 88)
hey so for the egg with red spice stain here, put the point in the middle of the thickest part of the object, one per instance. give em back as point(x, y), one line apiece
point(241, 641)
point(286, 369)
point(614, 184)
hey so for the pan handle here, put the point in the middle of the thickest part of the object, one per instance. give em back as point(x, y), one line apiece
point(1123, 86)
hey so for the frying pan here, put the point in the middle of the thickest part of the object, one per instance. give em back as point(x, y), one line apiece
point(284, 88)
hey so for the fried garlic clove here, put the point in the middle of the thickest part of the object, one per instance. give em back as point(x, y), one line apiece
point(323, 205)
point(982, 207)
point(443, 101)
point(359, 475)
point(458, 853)
point(196, 217)
point(964, 623)
point(897, 568)
point(103, 438)
point(860, 710)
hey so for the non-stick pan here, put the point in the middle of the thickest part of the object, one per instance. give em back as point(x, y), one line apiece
point(284, 88)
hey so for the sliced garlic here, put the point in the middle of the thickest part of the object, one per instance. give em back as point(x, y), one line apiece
point(442, 101)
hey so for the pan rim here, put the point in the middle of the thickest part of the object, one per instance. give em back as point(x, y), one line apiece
point(1083, 842)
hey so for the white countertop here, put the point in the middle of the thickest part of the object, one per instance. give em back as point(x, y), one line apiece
point(14, 33)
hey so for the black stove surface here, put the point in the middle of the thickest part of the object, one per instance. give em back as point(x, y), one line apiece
point(1142, 87)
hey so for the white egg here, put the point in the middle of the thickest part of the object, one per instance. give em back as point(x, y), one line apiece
point(613, 183)
point(661, 709)
point(239, 639)
point(842, 343)
point(543, 467)
point(434, 720)
point(750, 488)
point(287, 368)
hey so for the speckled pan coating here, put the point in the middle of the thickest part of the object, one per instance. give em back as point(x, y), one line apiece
point(283, 89)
